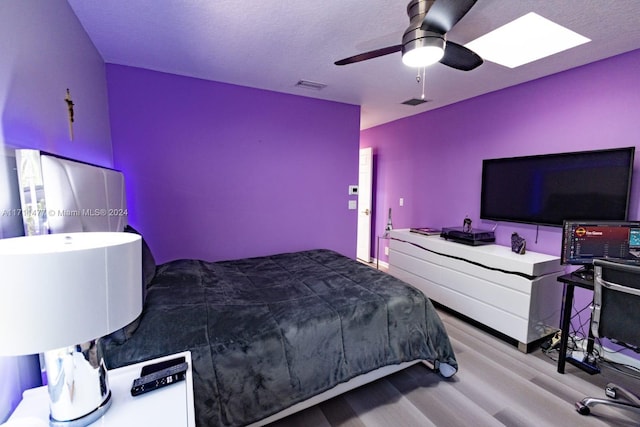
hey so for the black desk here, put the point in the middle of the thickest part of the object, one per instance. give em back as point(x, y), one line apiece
point(571, 281)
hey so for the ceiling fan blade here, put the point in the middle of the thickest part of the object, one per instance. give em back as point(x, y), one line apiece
point(444, 14)
point(370, 55)
point(459, 57)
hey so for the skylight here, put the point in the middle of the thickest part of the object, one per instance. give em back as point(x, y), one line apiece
point(526, 39)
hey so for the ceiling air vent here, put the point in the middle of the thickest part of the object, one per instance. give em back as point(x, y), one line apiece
point(310, 85)
point(415, 101)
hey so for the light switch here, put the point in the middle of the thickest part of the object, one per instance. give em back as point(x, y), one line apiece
point(353, 190)
point(353, 204)
point(401, 201)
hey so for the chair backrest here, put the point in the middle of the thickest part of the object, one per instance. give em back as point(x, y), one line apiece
point(616, 302)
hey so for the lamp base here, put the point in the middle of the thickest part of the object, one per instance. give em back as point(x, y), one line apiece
point(85, 420)
point(78, 386)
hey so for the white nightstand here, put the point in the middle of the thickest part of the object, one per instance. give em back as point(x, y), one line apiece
point(170, 406)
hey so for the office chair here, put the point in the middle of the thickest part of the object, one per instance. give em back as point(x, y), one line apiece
point(615, 315)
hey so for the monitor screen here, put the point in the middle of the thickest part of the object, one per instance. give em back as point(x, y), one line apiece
point(634, 240)
point(584, 241)
point(547, 189)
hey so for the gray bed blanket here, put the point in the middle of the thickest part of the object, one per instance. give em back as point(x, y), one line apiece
point(266, 333)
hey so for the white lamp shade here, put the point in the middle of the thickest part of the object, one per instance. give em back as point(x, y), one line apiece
point(59, 290)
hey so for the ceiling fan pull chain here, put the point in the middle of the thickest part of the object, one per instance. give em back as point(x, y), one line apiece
point(424, 69)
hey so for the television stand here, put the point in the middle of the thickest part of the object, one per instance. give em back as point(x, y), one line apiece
point(513, 294)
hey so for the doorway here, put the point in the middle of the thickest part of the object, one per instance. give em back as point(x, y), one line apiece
point(365, 196)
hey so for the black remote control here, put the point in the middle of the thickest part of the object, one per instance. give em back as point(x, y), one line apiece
point(158, 366)
point(159, 379)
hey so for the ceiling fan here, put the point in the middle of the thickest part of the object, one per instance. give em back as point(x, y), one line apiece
point(424, 42)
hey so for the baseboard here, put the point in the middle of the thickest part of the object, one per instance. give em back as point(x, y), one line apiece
point(382, 264)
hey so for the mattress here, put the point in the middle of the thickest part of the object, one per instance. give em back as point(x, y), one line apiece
point(268, 332)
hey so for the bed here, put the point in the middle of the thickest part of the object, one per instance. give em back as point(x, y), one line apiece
point(275, 334)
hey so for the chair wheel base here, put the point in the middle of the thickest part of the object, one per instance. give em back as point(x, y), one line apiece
point(582, 408)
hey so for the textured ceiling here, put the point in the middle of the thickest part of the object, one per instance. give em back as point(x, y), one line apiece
point(272, 44)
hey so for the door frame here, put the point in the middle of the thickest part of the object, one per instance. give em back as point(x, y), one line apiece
point(365, 204)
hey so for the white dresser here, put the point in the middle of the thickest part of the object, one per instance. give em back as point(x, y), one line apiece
point(516, 295)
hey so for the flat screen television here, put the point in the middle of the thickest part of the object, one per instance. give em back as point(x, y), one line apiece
point(547, 189)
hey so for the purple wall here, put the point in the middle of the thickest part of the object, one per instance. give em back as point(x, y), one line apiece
point(434, 160)
point(216, 171)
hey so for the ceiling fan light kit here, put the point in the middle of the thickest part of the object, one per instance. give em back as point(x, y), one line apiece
point(423, 52)
point(423, 42)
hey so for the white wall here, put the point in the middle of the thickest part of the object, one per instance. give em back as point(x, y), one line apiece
point(43, 51)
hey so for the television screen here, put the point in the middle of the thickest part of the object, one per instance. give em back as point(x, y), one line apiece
point(547, 189)
point(584, 241)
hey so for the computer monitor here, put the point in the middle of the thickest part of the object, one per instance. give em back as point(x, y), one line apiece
point(584, 241)
point(634, 242)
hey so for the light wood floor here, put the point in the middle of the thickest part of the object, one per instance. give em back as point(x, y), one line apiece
point(496, 385)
